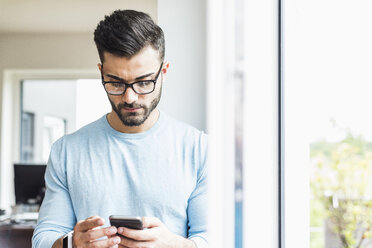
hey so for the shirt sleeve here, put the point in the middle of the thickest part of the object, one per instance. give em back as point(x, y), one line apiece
point(56, 216)
point(197, 205)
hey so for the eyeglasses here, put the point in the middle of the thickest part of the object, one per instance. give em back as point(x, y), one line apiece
point(141, 87)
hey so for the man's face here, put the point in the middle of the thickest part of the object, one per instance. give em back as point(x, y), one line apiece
point(131, 108)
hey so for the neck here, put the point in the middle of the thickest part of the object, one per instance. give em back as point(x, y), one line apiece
point(115, 122)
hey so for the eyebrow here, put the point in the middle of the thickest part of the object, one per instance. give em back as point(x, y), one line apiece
point(122, 79)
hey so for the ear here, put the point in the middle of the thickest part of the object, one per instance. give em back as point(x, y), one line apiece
point(99, 67)
point(164, 70)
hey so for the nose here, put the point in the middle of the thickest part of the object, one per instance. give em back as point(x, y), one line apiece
point(130, 96)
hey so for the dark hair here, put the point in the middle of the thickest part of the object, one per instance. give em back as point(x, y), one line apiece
point(125, 32)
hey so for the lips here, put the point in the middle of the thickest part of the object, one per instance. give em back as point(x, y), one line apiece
point(131, 109)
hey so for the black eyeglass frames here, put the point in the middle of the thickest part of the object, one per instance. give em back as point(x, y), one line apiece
point(141, 87)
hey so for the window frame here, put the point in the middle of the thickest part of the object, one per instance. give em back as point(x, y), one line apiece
point(263, 218)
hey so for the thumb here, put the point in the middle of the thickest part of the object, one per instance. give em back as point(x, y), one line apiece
point(150, 222)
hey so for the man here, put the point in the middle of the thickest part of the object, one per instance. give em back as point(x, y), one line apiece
point(134, 161)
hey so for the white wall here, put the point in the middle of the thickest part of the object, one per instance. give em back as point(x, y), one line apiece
point(63, 16)
point(184, 25)
point(91, 102)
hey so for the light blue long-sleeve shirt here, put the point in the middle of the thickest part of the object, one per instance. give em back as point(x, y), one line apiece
point(100, 171)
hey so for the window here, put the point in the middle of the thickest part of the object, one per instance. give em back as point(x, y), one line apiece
point(53, 129)
point(27, 136)
point(328, 164)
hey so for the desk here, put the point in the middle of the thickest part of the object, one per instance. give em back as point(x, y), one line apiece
point(15, 235)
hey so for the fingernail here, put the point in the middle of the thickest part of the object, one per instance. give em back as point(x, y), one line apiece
point(120, 230)
point(117, 240)
point(112, 230)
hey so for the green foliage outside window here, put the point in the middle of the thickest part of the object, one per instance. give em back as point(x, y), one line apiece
point(341, 191)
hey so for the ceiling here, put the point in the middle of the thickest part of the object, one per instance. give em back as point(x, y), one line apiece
point(61, 16)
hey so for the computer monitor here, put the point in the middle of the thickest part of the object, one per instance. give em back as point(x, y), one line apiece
point(29, 183)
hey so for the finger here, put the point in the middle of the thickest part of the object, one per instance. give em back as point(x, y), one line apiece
point(126, 242)
point(114, 246)
point(122, 246)
point(149, 222)
point(92, 217)
point(104, 243)
point(90, 223)
point(94, 234)
point(137, 235)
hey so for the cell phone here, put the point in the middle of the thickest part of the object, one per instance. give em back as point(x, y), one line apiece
point(133, 222)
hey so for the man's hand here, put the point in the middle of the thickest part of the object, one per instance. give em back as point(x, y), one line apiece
point(155, 236)
point(87, 232)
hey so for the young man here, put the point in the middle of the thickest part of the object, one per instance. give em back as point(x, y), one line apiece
point(134, 161)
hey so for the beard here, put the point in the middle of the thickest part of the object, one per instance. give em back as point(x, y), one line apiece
point(132, 119)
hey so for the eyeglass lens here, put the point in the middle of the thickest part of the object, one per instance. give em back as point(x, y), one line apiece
point(142, 87)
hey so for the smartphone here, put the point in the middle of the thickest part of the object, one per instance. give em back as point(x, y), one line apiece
point(133, 222)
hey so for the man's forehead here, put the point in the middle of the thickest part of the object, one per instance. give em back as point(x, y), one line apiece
point(130, 69)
